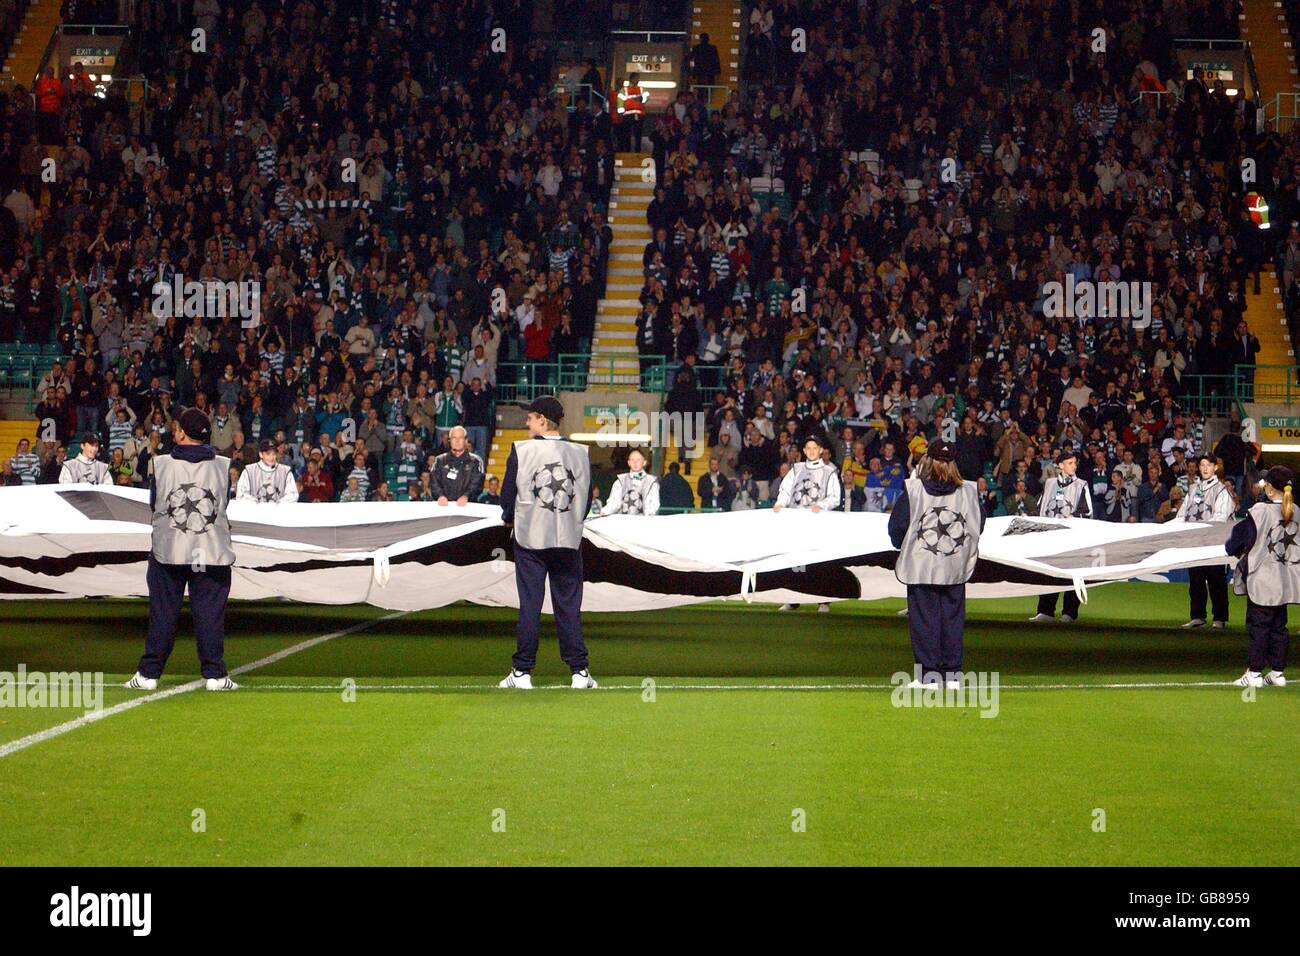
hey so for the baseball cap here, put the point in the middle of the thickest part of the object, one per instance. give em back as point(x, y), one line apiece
point(89, 438)
point(547, 405)
point(941, 451)
point(1065, 455)
point(266, 444)
point(195, 424)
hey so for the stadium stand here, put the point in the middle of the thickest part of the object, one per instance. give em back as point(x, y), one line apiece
point(854, 227)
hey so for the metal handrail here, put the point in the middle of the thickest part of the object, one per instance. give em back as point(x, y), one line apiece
point(573, 91)
point(1247, 389)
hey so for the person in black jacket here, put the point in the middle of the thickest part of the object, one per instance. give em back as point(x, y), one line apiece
point(457, 475)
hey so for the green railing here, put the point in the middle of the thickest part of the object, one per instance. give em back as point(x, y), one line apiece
point(519, 382)
point(1248, 387)
point(1211, 395)
point(713, 96)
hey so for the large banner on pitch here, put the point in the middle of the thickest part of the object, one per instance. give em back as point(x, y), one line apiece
point(68, 541)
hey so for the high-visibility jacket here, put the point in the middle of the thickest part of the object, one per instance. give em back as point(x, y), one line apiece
point(49, 94)
point(631, 99)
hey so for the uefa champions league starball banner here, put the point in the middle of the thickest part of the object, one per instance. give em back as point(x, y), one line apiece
point(72, 541)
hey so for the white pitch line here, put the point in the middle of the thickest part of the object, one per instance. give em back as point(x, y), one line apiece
point(22, 743)
point(779, 687)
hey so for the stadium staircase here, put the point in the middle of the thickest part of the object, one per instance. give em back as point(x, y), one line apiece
point(1264, 25)
point(616, 313)
point(11, 432)
point(503, 439)
point(723, 21)
point(39, 24)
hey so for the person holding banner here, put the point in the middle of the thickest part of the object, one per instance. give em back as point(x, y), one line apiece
point(1064, 496)
point(1267, 542)
point(191, 549)
point(544, 499)
point(936, 525)
point(1207, 500)
point(634, 492)
point(813, 484)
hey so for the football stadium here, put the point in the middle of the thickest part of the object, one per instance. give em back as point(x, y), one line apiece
point(700, 433)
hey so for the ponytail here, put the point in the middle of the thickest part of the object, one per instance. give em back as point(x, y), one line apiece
point(1288, 506)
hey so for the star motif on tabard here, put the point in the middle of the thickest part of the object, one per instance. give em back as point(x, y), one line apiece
point(191, 509)
point(1284, 543)
point(806, 492)
point(1058, 508)
point(943, 531)
point(554, 486)
point(633, 503)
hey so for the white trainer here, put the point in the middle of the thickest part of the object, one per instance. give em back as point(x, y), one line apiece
point(1042, 619)
point(823, 609)
point(1220, 625)
point(1249, 679)
point(221, 683)
point(1067, 619)
point(583, 680)
point(1194, 622)
point(788, 607)
point(140, 682)
point(903, 613)
point(1275, 679)
point(520, 680)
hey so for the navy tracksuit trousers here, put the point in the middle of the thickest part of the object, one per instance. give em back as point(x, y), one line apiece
point(1211, 579)
point(208, 593)
point(1070, 604)
point(563, 566)
point(1269, 639)
point(936, 619)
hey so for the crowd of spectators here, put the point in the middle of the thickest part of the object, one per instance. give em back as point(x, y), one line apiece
point(415, 208)
point(941, 164)
point(938, 165)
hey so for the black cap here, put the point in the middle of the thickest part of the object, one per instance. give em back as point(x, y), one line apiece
point(89, 438)
point(1280, 477)
point(1206, 456)
point(195, 424)
point(940, 451)
point(548, 406)
point(266, 444)
point(1065, 455)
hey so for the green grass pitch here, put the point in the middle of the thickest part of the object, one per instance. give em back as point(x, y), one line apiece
point(430, 764)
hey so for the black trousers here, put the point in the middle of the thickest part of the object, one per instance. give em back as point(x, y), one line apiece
point(208, 593)
point(936, 621)
point(1214, 579)
point(563, 566)
point(1269, 640)
point(1070, 605)
point(631, 131)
